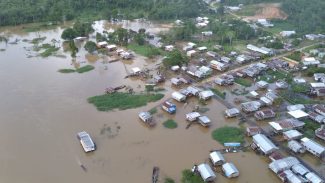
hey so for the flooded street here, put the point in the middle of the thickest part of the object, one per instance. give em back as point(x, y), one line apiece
point(42, 110)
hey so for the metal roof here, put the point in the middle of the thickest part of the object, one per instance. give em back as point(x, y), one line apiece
point(217, 157)
point(283, 164)
point(264, 143)
point(291, 134)
point(312, 145)
point(230, 170)
point(298, 114)
point(206, 172)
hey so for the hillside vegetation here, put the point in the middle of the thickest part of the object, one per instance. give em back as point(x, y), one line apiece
point(15, 12)
point(304, 16)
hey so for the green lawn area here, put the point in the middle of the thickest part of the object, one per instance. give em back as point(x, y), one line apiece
point(272, 76)
point(145, 50)
point(293, 98)
point(123, 101)
point(171, 124)
point(296, 56)
point(218, 92)
point(312, 70)
point(228, 134)
point(310, 127)
point(243, 82)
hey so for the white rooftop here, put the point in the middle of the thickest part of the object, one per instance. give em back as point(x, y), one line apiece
point(298, 114)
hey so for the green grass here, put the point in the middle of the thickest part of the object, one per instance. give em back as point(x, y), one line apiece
point(171, 124)
point(228, 134)
point(85, 68)
point(272, 76)
point(243, 82)
point(66, 70)
point(169, 180)
point(312, 70)
point(122, 101)
point(296, 56)
point(189, 177)
point(145, 50)
point(310, 127)
point(293, 98)
point(219, 93)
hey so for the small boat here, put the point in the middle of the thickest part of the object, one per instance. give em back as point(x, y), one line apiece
point(155, 174)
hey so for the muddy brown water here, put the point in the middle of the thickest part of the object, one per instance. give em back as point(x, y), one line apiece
point(42, 110)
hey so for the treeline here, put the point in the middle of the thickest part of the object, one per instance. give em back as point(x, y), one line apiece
point(15, 12)
point(306, 16)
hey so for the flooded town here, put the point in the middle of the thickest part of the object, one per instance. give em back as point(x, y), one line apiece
point(140, 100)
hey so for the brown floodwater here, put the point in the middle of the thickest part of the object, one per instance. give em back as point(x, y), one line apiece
point(42, 110)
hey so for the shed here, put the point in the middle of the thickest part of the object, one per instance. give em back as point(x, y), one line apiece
point(190, 53)
point(111, 47)
point(204, 121)
point(206, 172)
point(230, 170)
point(145, 117)
point(264, 144)
point(136, 70)
point(192, 116)
point(298, 114)
point(202, 48)
point(205, 95)
point(254, 94)
point(169, 48)
point(102, 44)
point(178, 97)
point(217, 158)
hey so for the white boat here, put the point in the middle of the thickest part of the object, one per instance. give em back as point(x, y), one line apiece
point(86, 141)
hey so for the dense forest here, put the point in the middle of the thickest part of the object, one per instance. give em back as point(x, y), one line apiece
point(305, 16)
point(15, 12)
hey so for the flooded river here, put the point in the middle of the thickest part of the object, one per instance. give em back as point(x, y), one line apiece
point(42, 110)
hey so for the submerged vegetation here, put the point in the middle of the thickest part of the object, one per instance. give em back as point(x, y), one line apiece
point(189, 177)
point(123, 101)
point(171, 124)
point(228, 134)
point(82, 69)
